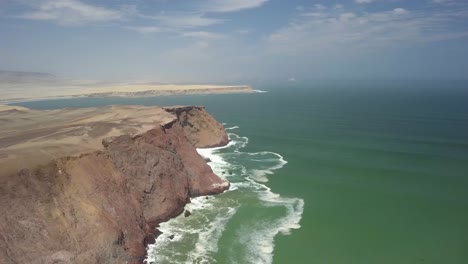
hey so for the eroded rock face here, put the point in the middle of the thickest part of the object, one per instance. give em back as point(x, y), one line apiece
point(201, 129)
point(103, 206)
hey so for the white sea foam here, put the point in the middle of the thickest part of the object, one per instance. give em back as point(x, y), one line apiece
point(274, 160)
point(207, 242)
point(237, 141)
point(231, 128)
point(260, 238)
point(210, 215)
point(205, 226)
point(198, 203)
point(260, 91)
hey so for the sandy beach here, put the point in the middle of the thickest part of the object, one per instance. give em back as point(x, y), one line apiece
point(22, 87)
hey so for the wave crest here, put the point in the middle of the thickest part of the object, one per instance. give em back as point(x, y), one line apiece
point(195, 239)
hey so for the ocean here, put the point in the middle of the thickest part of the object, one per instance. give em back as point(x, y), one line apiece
point(348, 172)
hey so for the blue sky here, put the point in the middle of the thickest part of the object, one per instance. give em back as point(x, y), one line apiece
point(236, 40)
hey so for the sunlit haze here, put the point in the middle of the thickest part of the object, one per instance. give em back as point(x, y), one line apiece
point(236, 40)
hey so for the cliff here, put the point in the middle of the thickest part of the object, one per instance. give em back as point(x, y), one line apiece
point(201, 130)
point(91, 185)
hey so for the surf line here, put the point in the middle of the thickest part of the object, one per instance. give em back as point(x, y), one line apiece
point(202, 231)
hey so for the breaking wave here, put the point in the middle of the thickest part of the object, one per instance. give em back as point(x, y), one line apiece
point(248, 238)
point(260, 91)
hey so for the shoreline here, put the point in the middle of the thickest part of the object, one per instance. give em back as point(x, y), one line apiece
point(199, 239)
point(122, 170)
point(32, 93)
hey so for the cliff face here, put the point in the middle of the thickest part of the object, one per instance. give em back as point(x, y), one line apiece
point(201, 129)
point(102, 206)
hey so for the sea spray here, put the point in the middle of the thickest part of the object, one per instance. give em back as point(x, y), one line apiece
point(196, 239)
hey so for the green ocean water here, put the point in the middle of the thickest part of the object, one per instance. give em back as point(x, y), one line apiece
point(376, 172)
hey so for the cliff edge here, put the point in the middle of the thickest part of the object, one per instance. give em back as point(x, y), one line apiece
point(91, 185)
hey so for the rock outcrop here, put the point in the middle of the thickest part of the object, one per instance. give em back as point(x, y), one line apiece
point(201, 129)
point(91, 185)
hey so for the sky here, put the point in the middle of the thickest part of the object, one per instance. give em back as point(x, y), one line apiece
point(236, 40)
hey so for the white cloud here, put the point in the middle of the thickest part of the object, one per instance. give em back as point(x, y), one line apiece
point(332, 29)
point(400, 11)
point(203, 35)
point(145, 30)
point(347, 16)
point(243, 31)
point(230, 5)
point(338, 6)
point(72, 12)
point(197, 17)
point(184, 20)
point(448, 2)
point(364, 1)
point(79, 12)
point(320, 7)
point(177, 23)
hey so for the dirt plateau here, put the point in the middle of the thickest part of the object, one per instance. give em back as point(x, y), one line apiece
point(91, 185)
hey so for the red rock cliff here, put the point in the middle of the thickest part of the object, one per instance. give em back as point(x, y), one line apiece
point(103, 204)
point(201, 129)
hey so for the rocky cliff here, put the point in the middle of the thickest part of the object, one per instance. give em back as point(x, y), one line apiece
point(91, 185)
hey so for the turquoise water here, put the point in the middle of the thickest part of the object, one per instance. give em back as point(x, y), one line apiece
point(371, 172)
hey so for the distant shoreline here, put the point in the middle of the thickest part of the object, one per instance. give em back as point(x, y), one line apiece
point(120, 90)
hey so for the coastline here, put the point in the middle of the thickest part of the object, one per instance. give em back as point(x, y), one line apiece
point(200, 237)
point(212, 223)
point(105, 176)
point(11, 93)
